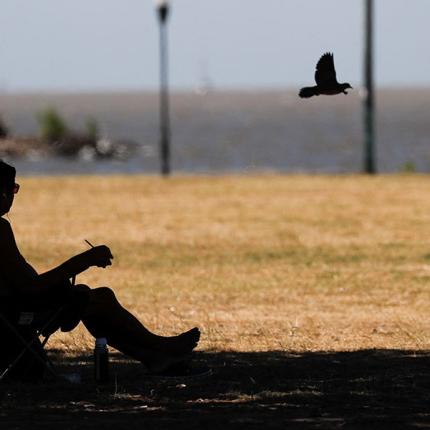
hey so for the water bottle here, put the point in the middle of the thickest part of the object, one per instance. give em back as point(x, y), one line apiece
point(101, 360)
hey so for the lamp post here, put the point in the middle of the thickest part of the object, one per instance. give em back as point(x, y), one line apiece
point(368, 103)
point(162, 7)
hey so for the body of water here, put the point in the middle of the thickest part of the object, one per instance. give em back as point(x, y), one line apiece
point(236, 131)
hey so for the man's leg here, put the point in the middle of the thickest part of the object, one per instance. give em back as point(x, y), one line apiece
point(105, 317)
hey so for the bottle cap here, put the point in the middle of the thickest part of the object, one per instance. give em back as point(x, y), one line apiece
point(101, 341)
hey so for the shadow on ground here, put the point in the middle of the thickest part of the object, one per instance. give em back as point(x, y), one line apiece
point(359, 389)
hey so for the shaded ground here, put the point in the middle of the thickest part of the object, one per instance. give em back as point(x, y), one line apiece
point(359, 389)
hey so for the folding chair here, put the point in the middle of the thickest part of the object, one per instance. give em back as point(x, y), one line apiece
point(24, 357)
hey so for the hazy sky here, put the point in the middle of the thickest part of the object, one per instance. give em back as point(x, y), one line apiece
point(113, 44)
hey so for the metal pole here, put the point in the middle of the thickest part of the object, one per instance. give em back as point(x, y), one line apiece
point(163, 11)
point(369, 102)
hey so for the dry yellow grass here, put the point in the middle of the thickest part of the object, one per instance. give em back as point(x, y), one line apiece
point(260, 263)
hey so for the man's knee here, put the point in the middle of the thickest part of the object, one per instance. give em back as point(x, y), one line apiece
point(81, 287)
point(104, 294)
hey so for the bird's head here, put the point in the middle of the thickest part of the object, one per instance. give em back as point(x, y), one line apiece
point(345, 87)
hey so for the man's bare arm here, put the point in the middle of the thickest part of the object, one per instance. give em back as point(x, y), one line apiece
point(99, 256)
point(17, 272)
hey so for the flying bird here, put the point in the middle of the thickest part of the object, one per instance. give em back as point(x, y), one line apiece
point(325, 77)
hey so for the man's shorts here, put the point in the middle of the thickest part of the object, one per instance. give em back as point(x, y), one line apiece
point(62, 307)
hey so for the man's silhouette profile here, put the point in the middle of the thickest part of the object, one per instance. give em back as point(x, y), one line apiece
point(97, 308)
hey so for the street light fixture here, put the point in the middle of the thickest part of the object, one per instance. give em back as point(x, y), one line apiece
point(163, 8)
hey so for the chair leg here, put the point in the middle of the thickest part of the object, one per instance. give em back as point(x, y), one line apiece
point(28, 346)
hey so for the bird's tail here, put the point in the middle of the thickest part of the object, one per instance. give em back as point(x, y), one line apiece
point(307, 92)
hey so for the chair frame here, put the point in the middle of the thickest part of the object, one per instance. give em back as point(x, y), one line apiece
point(28, 344)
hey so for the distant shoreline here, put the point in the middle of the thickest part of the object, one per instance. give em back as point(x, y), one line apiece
point(238, 131)
point(188, 91)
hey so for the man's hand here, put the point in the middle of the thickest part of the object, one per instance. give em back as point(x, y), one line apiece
point(99, 256)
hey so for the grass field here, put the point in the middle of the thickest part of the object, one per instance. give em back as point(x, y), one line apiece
point(307, 289)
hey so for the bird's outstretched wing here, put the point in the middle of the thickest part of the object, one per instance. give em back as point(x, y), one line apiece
point(325, 74)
